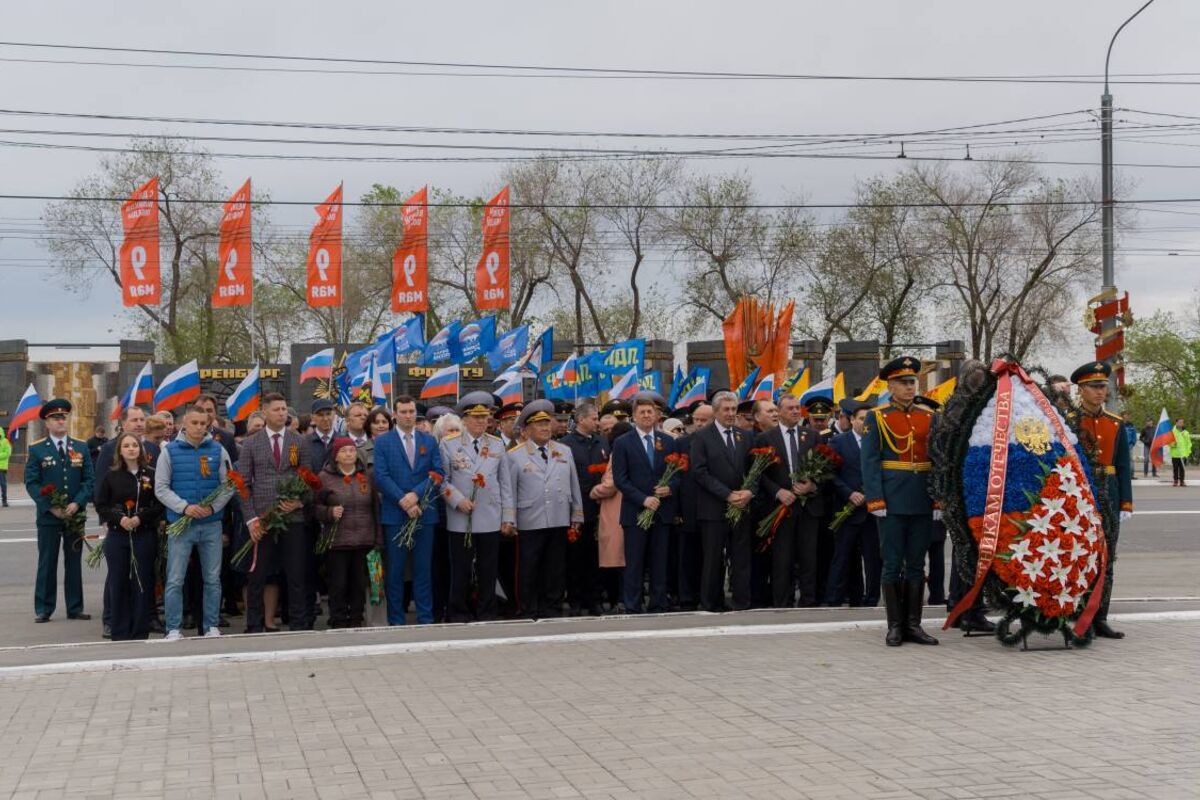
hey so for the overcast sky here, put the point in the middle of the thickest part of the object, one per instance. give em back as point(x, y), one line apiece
point(940, 37)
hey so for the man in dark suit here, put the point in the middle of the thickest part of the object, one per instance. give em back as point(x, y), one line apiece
point(720, 456)
point(317, 443)
point(687, 527)
point(267, 457)
point(638, 464)
point(404, 459)
point(588, 449)
point(796, 539)
point(856, 542)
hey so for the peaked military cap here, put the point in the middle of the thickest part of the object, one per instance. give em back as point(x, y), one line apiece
point(818, 406)
point(850, 406)
point(60, 404)
point(476, 404)
point(509, 410)
point(536, 411)
point(563, 408)
point(618, 408)
point(902, 367)
point(434, 412)
point(1093, 371)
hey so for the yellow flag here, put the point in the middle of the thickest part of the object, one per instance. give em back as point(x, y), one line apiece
point(876, 386)
point(839, 388)
point(800, 386)
point(941, 393)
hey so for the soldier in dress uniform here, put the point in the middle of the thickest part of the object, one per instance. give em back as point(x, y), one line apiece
point(563, 410)
point(542, 504)
point(621, 409)
point(819, 411)
point(506, 423)
point(64, 463)
point(476, 481)
point(895, 465)
point(1113, 462)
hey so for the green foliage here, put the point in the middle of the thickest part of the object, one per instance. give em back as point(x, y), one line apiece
point(1163, 354)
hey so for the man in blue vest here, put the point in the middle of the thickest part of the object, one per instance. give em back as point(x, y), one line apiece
point(64, 463)
point(189, 468)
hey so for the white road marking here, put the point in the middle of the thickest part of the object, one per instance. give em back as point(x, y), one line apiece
point(396, 648)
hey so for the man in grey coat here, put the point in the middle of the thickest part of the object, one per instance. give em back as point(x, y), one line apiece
point(544, 504)
point(475, 490)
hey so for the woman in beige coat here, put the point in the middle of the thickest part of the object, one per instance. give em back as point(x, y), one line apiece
point(609, 533)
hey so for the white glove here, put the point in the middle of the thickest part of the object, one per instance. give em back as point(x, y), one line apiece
point(881, 513)
point(1126, 515)
point(937, 515)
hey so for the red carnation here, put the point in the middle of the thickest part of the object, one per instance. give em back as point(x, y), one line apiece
point(48, 490)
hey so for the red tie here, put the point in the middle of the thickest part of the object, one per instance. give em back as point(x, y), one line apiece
point(275, 449)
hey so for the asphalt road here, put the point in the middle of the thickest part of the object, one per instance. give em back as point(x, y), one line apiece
point(1159, 557)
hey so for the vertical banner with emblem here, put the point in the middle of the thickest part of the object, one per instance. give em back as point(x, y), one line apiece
point(410, 264)
point(235, 277)
point(141, 279)
point(491, 273)
point(325, 254)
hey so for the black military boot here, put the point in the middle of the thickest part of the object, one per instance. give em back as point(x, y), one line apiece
point(1104, 631)
point(914, 593)
point(973, 621)
point(895, 614)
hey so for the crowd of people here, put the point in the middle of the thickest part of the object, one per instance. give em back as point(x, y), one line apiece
point(485, 511)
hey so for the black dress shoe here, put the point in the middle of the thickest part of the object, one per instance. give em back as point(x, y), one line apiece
point(42, 618)
point(79, 616)
point(1105, 632)
point(107, 634)
point(222, 622)
point(975, 622)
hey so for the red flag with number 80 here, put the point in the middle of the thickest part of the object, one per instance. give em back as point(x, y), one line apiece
point(491, 273)
point(410, 264)
point(325, 254)
point(141, 280)
point(235, 278)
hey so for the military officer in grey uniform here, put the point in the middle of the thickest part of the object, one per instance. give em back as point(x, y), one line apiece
point(475, 491)
point(543, 504)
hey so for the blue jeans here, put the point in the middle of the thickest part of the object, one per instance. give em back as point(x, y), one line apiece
point(422, 574)
point(205, 535)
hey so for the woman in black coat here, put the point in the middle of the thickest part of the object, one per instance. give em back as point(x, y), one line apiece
point(126, 503)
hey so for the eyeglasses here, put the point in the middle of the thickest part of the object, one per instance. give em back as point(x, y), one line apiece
point(56, 416)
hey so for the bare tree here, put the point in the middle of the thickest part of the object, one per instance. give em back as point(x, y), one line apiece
point(630, 193)
point(86, 234)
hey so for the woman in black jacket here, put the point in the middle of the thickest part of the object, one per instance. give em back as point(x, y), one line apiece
point(125, 501)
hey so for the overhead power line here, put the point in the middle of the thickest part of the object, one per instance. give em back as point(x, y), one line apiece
point(508, 70)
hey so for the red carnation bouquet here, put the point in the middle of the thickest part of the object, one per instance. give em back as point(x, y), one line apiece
point(407, 537)
point(233, 482)
point(761, 458)
point(300, 486)
point(675, 463)
point(817, 465)
point(60, 500)
point(477, 483)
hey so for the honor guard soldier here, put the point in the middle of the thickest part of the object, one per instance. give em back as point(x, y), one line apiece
point(506, 424)
point(895, 466)
point(542, 503)
point(476, 480)
point(63, 463)
point(1113, 462)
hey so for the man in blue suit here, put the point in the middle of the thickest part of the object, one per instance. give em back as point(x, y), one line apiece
point(856, 542)
point(638, 463)
point(404, 459)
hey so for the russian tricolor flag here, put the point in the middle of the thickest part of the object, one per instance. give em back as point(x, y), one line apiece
point(765, 389)
point(441, 383)
point(379, 389)
point(317, 366)
point(181, 386)
point(696, 389)
point(625, 388)
point(822, 389)
point(140, 393)
point(245, 398)
point(568, 373)
point(1164, 435)
point(512, 392)
point(27, 410)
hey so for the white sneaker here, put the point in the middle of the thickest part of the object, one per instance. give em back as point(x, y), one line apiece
point(212, 633)
point(173, 636)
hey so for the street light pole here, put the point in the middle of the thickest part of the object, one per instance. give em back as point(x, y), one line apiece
point(1109, 287)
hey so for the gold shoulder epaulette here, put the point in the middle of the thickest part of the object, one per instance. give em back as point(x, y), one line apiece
point(1111, 415)
point(38, 441)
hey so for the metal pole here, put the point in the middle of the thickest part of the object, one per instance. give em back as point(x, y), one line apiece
point(1106, 167)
